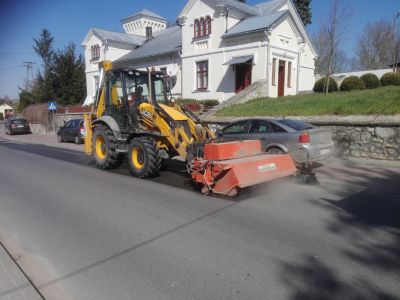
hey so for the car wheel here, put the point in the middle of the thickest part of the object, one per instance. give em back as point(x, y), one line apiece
point(77, 140)
point(274, 150)
point(59, 138)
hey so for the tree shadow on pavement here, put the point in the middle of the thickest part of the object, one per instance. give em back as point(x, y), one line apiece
point(368, 223)
point(312, 279)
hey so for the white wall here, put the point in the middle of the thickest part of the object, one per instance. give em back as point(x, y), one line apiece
point(114, 51)
point(284, 43)
point(138, 27)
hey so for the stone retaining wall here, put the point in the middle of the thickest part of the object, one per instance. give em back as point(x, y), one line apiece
point(373, 137)
point(367, 142)
point(44, 128)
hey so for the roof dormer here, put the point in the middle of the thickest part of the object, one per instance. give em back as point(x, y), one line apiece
point(143, 22)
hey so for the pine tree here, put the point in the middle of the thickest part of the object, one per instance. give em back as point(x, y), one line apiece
point(70, 79)
point(44, 87)
point(304, 10)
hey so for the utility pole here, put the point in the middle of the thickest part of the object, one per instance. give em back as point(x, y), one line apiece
point(395, 54)
point(28, 65)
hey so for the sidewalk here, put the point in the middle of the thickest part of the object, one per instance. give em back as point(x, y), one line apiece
point(13, 283)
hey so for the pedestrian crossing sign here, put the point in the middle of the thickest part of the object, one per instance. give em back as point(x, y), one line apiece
point(52, 105)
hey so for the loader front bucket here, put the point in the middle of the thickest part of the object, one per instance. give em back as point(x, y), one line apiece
point(228, 176)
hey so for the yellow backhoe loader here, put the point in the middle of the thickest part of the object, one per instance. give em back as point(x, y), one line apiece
point(133, 116)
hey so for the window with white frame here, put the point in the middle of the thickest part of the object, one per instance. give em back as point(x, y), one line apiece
point(202, 75)
point(95, 52)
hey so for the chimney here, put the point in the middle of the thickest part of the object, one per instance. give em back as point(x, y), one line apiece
point(149, 32)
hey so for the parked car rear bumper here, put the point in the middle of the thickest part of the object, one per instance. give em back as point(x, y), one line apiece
point(20, 130)
point(309, 152)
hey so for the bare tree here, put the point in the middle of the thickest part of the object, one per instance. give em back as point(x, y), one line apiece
point(335, 29)
point(374, 50)
point(340, 61)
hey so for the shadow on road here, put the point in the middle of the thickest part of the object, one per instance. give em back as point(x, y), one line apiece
point(311, 279)
point(368, 221)
point(67, 155)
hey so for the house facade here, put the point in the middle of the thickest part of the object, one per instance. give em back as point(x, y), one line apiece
point(217, 49)
point(6, 111)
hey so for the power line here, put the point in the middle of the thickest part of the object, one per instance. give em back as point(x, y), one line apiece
point(8, 68)
point(9, 56)
point(17, 53)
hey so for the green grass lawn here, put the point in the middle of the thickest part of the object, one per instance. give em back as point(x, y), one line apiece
point(381, 101)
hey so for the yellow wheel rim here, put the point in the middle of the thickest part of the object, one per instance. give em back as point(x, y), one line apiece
point(101, 149)
point(137, 158)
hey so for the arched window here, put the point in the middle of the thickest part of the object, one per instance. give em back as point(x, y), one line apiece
point(208, 25)
point(202, 27)
point(196, 28)
point(95, 52)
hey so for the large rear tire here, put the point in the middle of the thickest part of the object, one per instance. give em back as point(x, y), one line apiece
point(144, 158)
point(104, 149)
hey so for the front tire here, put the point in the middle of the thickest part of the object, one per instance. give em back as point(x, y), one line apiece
point(144, 158)
point(104, 149)
point(59, 138)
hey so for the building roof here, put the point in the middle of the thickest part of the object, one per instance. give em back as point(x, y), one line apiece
point(270, 6)
point(5, 106)
point(239, 60)
point(395, 65)
point(146, 13)
point(163, 42)
point(243, 7)
point(120, 37)
point(254, 24)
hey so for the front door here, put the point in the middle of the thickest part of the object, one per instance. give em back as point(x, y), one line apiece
point(243, 76)
point(281, 78)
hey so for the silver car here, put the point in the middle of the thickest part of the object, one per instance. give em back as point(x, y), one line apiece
point(303, 141)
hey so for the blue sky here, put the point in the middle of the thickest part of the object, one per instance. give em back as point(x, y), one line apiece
point(69, 21)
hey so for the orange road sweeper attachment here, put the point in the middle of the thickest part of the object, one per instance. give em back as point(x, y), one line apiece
point(227, 167)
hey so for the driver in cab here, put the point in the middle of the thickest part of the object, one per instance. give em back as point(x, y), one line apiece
point(137, 98)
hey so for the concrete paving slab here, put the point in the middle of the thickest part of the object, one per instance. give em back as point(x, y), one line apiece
point(13, 283)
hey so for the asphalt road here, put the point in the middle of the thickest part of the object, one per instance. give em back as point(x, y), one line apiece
point(82, 233)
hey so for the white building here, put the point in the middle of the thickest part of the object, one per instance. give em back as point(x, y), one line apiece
point(219, 48)
point(6, 110)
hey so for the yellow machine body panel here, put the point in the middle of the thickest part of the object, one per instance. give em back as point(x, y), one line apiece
point(173, 113)
point(88, 134)
point(178, 138)
point(101, 105)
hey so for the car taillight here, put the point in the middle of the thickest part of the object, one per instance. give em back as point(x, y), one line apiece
point(13, 126)
point(304, 138)
point(82, 130)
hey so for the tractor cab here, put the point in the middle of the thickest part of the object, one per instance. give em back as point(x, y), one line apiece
point(124, 91)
